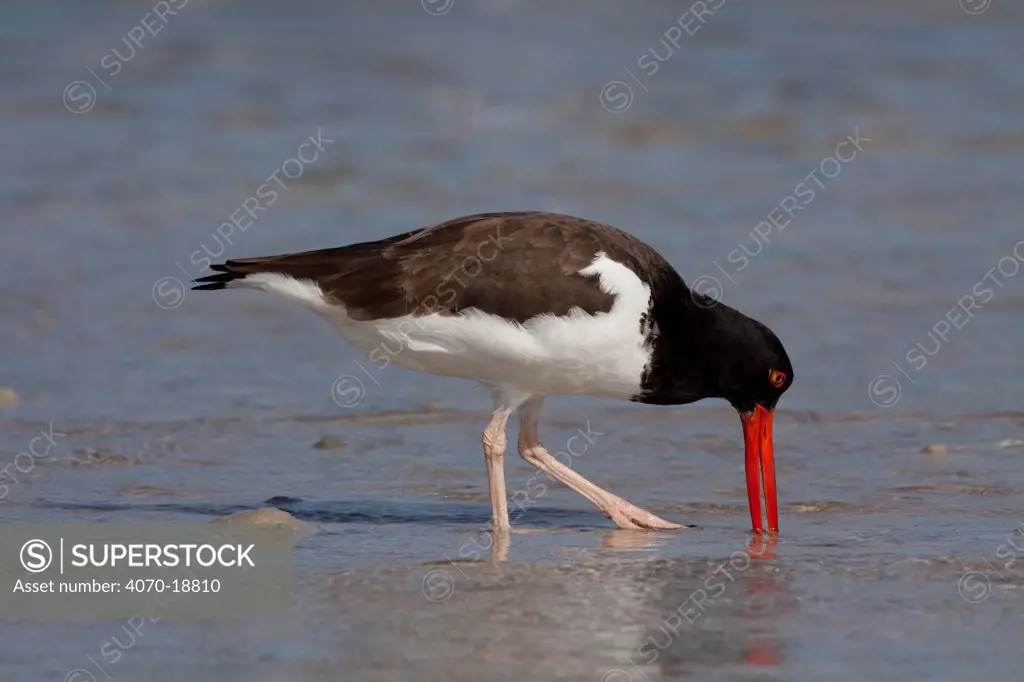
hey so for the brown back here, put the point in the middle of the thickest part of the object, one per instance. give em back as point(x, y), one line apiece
point(516, 265)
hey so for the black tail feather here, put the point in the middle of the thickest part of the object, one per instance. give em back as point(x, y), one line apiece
point(325, 263)
point(209, 287)
point(218, 281)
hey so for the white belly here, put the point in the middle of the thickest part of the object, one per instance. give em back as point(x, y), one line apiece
point(603, 354)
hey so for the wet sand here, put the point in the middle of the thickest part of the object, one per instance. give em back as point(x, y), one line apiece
point(900, 482)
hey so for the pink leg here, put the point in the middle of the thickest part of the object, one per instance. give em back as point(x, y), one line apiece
point(621, 512)
point(494, 457)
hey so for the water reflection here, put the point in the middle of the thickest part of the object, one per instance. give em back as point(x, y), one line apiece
point(713, 613)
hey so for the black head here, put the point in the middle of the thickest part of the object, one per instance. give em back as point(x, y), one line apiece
point(753, 369)
point(714, 351)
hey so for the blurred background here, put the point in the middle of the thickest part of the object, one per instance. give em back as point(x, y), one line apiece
point(845, 172)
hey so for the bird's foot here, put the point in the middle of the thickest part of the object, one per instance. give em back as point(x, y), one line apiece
point(628, 516)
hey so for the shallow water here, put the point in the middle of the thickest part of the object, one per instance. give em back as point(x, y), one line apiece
point(180, 406)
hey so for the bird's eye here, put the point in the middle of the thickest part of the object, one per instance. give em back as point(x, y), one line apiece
point(776, 378)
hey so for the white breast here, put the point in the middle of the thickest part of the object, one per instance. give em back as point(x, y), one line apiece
point(603, 354)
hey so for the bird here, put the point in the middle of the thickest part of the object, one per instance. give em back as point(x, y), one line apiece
point(532, 305)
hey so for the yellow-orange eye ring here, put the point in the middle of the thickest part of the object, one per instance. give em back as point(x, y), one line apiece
point(776, 378)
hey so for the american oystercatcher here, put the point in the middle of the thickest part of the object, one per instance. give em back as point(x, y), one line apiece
point(538, 304)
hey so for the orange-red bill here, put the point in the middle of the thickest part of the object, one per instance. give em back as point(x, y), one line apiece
point(760, 466)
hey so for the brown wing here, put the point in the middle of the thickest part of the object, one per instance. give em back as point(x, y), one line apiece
point(516, 265)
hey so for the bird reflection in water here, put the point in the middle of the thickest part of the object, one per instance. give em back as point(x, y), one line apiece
point(764, 600)
point(726, 616)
